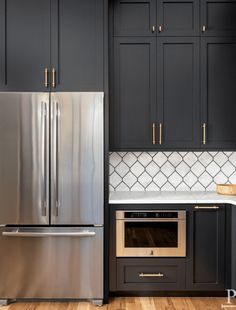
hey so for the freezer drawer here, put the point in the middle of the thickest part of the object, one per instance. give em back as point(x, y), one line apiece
point(51, 263)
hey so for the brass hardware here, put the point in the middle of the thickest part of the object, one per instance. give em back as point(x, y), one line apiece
point(160, 28)
point(160, 133)
point(146, 275)
point(203, 28)
point(206, 207)
point(53, 77)
point(204, 134)
point(153, 133)
point(153, 29)
point(46, 84)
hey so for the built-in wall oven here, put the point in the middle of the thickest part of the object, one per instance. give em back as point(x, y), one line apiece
point(158, 233)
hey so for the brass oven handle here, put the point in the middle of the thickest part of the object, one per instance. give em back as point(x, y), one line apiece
point(150, 275)
point(46, 71)
point(206, 207)
point(160, 133)
point(53, 77)
point(204, 133)
point(153, 133)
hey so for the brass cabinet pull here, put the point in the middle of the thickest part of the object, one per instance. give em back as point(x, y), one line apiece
point(206, 207)
point(204, 133)
point(46, 84)
point(153, 29)
point(203, 28)
point(160, 133)
point(153, 133)
point(53, 77)
point(160, 28)
point(149, 275)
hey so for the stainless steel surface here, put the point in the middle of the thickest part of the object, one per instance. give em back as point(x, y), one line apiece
point(24, 155)
point(151, 275)
point(52, 266)
point(122, 251)
point(77, 160)
point(206, 207)
point(97, 302)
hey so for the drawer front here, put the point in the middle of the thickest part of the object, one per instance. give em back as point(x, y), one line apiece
point(150, 274)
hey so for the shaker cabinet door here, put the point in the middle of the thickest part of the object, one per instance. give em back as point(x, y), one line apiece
point(218, 80)
point(178, 92)
point(134, 17)
point(133, 94)
point(218, 17)
point(178, 17)
point(77, 45)
point(24, 44)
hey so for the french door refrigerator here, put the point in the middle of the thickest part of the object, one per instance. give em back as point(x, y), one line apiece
point(51, 196)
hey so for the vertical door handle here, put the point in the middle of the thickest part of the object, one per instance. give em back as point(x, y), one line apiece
point(46, 83)
point(160, 29)
point(44, 161)
point(204, 28)
point(57, 158)
point(153, 133)
point(204, 133)
point(153, 28)
point(54, 78)
point(160, 133)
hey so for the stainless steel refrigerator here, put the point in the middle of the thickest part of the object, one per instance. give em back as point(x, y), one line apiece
point(51, 196)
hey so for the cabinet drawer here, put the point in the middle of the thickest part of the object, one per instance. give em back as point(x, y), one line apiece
point(150, 274)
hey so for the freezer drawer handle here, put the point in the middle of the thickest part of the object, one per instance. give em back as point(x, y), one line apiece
point(48, 234)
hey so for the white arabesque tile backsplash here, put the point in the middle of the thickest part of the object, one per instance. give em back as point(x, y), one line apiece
point(171, 171)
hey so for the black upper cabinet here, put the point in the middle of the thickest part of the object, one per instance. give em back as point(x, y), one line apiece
point(25, 44)
point(178, 92)
point(206, 249)
point(218, 91)
point(77, 44)
point(178, 17)
point(134, 17)
point(64, 37)
point(156, 17)
point(218, 17)
point(134, 93)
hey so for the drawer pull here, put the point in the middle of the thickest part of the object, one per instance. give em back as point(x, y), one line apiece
point(206, 208)
point(150, 275)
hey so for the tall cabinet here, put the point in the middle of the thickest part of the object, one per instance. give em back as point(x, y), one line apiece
point(51, 44)
point(173, 76)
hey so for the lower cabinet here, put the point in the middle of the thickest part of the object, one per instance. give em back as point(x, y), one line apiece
point(148, 274)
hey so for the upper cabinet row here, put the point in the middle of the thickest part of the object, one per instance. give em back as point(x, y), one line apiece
point(51, 45)
point(174, 18)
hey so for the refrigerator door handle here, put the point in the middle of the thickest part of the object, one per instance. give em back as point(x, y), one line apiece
point(44, 159)
point(17, 233)
point(57, 158)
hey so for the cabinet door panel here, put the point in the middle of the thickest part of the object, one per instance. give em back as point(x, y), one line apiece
point(134, 97)
point(206, 258)
point(218, 91)
point(178, 91)
point(178, 18)
point(77, 44)
point(25, 44)
point(134, 17)
point(219, 17)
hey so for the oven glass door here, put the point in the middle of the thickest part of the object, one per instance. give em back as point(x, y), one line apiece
point(158, 238)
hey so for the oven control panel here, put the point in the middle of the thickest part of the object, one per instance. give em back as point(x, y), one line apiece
point(146, 215)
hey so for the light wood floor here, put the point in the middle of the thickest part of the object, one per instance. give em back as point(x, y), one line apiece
point(132, 303)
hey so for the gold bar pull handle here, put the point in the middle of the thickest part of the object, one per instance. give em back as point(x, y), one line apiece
point(160, 133)
point(153, 133)
point(204, 133)
point(204, 28)
point(206, 207)
point(53, 77)
point(46, 84)
point(150, 275)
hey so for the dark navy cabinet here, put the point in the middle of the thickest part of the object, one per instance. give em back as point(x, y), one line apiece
point(206, 248)
point(51, 44)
